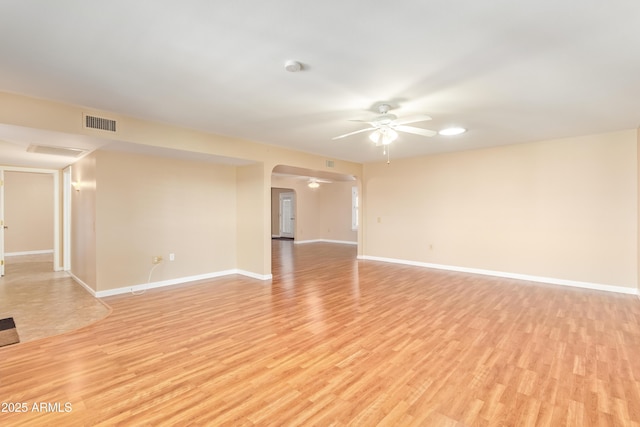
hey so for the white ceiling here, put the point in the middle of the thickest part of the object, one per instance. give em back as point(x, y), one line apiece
point(509, 71)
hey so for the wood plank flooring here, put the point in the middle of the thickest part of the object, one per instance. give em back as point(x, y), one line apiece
point(338, 341)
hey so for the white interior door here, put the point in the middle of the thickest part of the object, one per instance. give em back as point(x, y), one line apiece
point(2, 224)
point(287, 214)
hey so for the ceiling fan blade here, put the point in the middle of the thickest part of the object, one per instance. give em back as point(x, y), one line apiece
point(416, 131)
point(411, 119)
point(352, 133)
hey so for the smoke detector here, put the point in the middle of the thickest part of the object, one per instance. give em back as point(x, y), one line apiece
point(292, 66)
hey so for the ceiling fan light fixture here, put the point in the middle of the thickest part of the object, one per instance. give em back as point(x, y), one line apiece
point(383, 136)
point(452, 131)
point(389, 136)
point(375, 136)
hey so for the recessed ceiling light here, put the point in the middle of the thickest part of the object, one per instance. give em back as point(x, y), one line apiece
point(452, 131)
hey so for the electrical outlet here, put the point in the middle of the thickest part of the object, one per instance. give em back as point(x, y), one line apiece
point(172, 257)
point(156, 259)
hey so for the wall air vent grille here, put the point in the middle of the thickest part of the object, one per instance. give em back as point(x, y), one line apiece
point(93, 122)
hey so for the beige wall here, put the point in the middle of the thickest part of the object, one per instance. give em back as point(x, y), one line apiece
point(335, 208)
point(28, 211)
point(253, 206)
point(565, 209)
point(83, 221)
point(147, 206)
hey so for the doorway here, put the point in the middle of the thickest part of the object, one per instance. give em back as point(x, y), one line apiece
point(287, 215)
point(21, 196)
point(283, 213)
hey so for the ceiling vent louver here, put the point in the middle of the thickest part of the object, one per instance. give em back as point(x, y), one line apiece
point(100, 123)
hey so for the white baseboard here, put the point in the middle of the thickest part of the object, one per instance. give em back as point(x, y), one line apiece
point(254, 275)
point(170, 282)
point(539, 279)
point(45, 251)
point(342, 242)
point(84, 285)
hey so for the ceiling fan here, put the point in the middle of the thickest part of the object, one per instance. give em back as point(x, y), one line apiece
point(386, 126)
point(315, 182)
point(312, 181)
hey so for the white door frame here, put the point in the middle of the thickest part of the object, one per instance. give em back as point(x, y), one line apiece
point(287, 221)
point(2, 222)
point(66, 218)
point(56, 210)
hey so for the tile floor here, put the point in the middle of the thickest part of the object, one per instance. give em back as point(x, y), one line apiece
point(43, 302)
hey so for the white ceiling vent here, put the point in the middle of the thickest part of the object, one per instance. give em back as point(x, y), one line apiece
point(55, 151)
point(93, 122)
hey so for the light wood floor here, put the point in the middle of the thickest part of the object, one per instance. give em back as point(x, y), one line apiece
point(337, 341)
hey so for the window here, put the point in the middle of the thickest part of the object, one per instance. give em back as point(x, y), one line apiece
point(354, 208)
